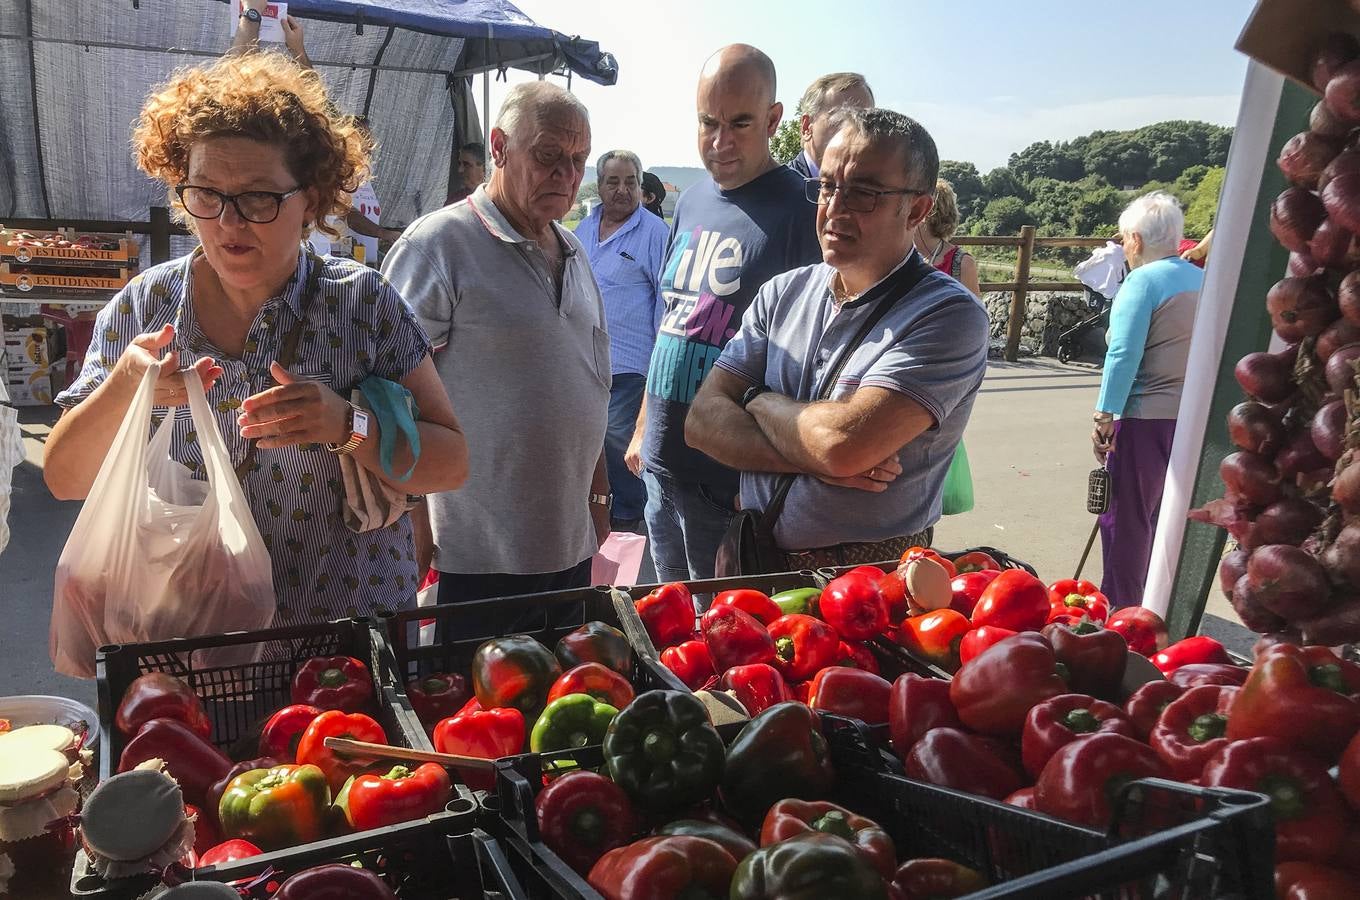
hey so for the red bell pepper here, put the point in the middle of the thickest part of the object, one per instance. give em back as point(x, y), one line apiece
point(1349, 773)
point(912, 553)
point(281, 733)
point(853, 604)
point(856, 655)
point(1142, 628)
point(935, 636)
point(995, 692)
point(894, 590)
point(437, 696)
point(335, 881)
point(206, 835)
point(1196, 674)
point(228, 851)
point(1016, 600)
point(756, 604)
point(757, 686)
point(400, 795)
point(212, 797)
point(1023, 798)
point(1082, 598)
point(1310, 881)
point(915, 706)
point(790, 818)
point(594, 679)
point(967, 762)
point(1192, 729)
point(485, 734)
point(596, 642)
point(1058, 722)
point(1095, 657)
point(1081, 782)
point(979, 639)
point(668, 614)
point(189, 759)
point(664, 868)
point(333, 682)
point(582, 816)
point(1197, 649)
point(690, 662)
point(735, 638)
point(1302, 695)
point(1144, 707)
point(851, 692)
point(967, 590)
point(1310, 816)
point(975, 561)
point(312, 749)
point(157, 695)
point(803, 646)
point(935, 879)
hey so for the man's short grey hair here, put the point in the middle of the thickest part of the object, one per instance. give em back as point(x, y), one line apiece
point(819, 93)
point(627, 156)
point(1158, 220)
point(915, 147)
point(531, 99)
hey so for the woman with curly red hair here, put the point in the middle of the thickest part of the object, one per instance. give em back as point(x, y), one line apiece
point(254, 154)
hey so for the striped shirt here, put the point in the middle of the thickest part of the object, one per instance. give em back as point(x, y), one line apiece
point(356, 326)
point(627, 266)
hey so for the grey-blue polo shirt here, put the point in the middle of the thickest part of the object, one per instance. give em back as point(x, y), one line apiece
point(931, 346)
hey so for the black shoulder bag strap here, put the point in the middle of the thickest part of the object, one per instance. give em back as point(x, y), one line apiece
point(894, 288)
point(288, 350)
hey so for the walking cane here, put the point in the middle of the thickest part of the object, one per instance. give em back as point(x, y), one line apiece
point(1097, 502)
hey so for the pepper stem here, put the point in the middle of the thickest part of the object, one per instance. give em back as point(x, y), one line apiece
point(658, 746)
point(1074, 600)
point(784, 649)
point(1328, 676)
point(1286, 798)
point(434, 685)
point(834, 822)
point(588, 826)
point(1082, 721)
point(1208, 727)
point(398, 773)
point(332, 678)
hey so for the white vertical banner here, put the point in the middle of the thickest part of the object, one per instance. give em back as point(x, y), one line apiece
point(1241, 186)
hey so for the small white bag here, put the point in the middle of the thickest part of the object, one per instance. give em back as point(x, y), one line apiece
point(156, 554)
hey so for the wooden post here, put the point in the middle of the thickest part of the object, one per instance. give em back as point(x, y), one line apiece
point(160, 234)
point(1016, 323)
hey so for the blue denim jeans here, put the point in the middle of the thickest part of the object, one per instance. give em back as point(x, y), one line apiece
point(625, 399)
point(686, 522)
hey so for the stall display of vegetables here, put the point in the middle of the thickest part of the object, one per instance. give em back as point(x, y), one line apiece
point(674, 813)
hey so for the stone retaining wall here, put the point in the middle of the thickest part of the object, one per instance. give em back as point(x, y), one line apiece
point(1047, 314)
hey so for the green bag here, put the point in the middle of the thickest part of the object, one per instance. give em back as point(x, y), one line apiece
point(958, 484)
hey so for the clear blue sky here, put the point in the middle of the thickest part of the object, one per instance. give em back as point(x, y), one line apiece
point(986, 77)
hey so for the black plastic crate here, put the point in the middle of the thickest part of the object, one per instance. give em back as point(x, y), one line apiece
point(545, 617)
point(436, 858)
point(239, 699)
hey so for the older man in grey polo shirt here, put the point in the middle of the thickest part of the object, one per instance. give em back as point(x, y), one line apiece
point(869, 462)
point(518, 326)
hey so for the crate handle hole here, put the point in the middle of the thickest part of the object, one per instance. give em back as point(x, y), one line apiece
point(461, 805)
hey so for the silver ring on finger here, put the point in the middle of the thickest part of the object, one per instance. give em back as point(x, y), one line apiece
point(873, 473)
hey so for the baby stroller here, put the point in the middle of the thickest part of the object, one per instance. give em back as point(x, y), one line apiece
point(1101, 274)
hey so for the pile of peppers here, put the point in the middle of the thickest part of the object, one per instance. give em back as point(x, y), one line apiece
point(676, 814)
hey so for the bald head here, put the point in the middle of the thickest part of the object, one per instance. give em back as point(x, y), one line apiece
point(737, 115)
point(740, 63)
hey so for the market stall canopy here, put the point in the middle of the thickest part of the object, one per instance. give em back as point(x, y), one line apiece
point(76, 74)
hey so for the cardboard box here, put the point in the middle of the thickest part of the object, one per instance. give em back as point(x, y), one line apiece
point(1287, 34)
point(31, 347)
point(29, 389)
point(69, 248)
point(17, 279)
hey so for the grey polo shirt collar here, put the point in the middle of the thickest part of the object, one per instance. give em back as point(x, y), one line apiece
point(498, 226)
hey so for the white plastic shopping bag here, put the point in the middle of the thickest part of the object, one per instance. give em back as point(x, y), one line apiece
point(155, 554)
point(619, 560)
point(11, 454)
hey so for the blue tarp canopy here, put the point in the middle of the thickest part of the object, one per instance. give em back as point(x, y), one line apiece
point(76, 73)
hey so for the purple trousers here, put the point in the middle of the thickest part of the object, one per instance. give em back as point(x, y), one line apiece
point(1142, 448)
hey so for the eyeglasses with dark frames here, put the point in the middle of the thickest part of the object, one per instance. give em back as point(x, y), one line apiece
point(260, 207)
point(855, 199)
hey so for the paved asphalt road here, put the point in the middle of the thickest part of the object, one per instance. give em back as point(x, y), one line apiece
point(1028, 443)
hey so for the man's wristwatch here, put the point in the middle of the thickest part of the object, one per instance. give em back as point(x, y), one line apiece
point(752, 393)
point(251, 15)
point(605, 500)
point(358, 431)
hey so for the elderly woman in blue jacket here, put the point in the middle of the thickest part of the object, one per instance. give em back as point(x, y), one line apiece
point(1140, 388)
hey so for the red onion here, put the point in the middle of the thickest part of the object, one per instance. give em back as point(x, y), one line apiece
point(1328, 430)
point(1232, 567)
point(1246, 602)
point(1302, 265)
point(1305, 155)
point(1341, 197)
point(1343, 92)
point(1346, 488)
point(1341, 559)
point(1300, 307)
point(1294, 217)
point(1251, 477)
point(1253, 426)
point(1298, 456)
point(1266, 377)
point(1287, 521)
point(1334, 247)
point(1344, 163)
point(1337, 49)
point(1322, 121)
point(1341, 368)
point(1289, 582)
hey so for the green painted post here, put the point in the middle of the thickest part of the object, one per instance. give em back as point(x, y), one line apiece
point(1248, 331)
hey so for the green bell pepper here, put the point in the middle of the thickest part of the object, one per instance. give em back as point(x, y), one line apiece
point(275, 808)
point(807, 867)
point(663, 751)
point(781, 753)
point(570, 721)
point(800, 601)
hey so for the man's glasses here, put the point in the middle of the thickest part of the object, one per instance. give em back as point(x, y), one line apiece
point(260, 207)
point(855, 199)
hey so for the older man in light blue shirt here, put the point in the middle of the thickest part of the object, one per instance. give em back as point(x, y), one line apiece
point(626, 246)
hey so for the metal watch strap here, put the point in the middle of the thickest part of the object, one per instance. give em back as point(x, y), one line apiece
point(605, 500)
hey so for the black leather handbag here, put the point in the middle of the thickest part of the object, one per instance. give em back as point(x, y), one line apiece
point(748, 547)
